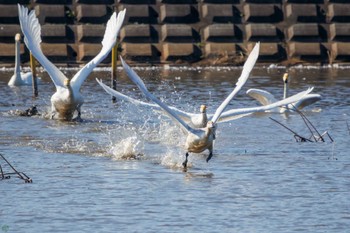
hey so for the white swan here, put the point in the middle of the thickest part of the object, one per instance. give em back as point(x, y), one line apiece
point(19, 78)
point(265, 98)
point(67, 98)
point(200, 139)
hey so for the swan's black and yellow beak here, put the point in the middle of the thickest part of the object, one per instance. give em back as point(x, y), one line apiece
point(67, 82)
point(285, 77)
point(203, 108)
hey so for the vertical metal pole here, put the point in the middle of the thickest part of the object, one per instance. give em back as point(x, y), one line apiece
point(114, 69)
point(33, 68)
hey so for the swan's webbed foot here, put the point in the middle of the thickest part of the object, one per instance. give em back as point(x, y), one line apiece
point(79, 114)
point(184, 164)
point(52, 115)
point(209, 156)
point(78, 118)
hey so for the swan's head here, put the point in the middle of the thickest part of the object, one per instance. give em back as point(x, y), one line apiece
point(18, 37)
point(211, 125)
point(67, 82)
point(203, 108)
point(285, 77)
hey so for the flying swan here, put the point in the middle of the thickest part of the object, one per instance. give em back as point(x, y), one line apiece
point(19, 78)
point(265, 98)
point(67, 98)
point(200, 139)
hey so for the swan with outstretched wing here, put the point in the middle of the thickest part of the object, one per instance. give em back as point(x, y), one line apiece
point(201, 139)
point(198, 139)
point(265, 98)
point(67, 98)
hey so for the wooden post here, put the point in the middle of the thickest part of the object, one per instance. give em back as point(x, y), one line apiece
point(114, 69)
point(33, 68)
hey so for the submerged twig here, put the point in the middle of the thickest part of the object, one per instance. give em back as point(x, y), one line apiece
point(7, 175)
point(315, 134)
point(309, 125)
point(297, 137)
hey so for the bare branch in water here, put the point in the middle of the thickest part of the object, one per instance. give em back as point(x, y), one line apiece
point(314, 132)
point(297, 137)
point(7, 175)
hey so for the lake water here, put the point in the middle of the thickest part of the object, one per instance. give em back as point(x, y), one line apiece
point(120, 169)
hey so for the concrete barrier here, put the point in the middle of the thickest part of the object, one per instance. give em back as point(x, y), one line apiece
point(187, 31)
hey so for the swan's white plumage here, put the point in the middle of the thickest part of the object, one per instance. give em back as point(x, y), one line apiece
point(247, 68)
point(265, 98)
point(200, 139)
point(232, 114)
point(67, 98)
point(19, 78)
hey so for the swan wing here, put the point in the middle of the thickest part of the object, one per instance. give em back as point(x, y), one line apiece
point(307, 100)
point(182, 114)
point(110, 37)
point(264, 97)
point(121, 96)
point(247, 68)
point(232, 114)
point(32, 38)
point(137, 80)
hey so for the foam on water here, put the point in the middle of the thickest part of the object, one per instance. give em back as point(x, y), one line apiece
point(128, 148)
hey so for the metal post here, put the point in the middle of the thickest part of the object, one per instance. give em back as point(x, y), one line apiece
point(114, 69)
point(33, 68)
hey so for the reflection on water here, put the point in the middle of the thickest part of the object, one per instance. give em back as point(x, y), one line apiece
point(121, 167)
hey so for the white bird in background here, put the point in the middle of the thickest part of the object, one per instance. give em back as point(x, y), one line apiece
point(266, 98)
point(67, 98)
point(200, 139)
point(19, 78)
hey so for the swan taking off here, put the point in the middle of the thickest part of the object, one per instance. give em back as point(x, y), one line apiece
point(67, 98)
point(201, 139)
point(265, 97)
point(19, 78)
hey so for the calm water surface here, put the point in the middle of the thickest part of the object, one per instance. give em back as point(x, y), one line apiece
point(120, 169)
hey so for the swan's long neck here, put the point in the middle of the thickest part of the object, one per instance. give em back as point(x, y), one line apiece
point(210, 130)
point(205, 118)
point(285, 91)
point(18, 57)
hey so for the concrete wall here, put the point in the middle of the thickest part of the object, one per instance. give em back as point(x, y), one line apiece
point(187, 31)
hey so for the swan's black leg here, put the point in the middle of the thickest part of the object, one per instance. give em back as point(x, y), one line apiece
point(78, 118)
point(79, 115)
point(186, 160)
point(209, 156)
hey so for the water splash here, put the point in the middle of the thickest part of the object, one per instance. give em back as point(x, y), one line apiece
point(127, 148)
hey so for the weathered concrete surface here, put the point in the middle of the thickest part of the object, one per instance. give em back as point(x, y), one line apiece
point(189, 31)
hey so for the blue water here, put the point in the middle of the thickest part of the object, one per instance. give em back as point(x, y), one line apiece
point(120, 169)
